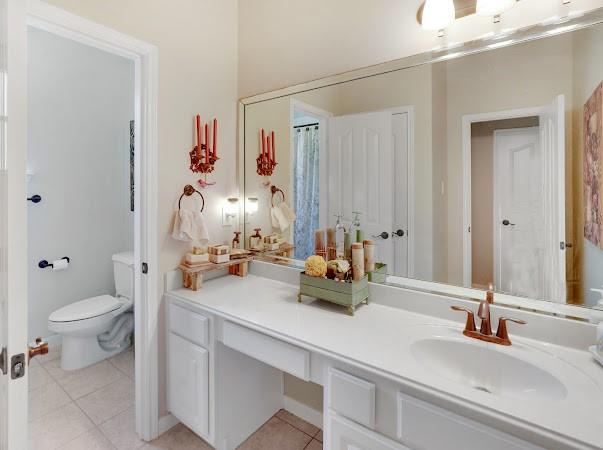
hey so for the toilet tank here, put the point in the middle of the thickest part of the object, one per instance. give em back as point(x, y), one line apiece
point(123, 273)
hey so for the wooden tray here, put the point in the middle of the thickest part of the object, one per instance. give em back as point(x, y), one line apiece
point(349, 295)
point(192, 275)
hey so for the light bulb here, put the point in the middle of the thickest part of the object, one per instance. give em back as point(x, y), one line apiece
point(437, 14)
point(493, 7)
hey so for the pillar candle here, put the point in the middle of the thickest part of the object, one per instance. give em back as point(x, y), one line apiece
point(357, 261)
point(369, 255)
point(319, 242)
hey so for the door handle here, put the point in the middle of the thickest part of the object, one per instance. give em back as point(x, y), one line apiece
point(40, 348)
point(506, 223)
point(398, 233)
point(382, 235)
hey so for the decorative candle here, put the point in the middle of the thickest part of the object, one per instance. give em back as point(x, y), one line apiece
point(198, 137)
point(215, 148)
point(273, 150)
point(263, 144)
point(347, 245)
point(369, 255)
point(206, 143)
point(268, 147)
point(357, 261)
point(319, 242)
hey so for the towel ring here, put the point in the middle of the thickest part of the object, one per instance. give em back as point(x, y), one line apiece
point(188, 191)
point(274, 190)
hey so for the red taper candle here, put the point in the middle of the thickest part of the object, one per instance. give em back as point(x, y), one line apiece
point(215, 147)
point(206, 144)
point(273, 150)
point(198, 136)
point(263, 144)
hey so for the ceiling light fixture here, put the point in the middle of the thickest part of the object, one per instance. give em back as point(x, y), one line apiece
point(437, 14)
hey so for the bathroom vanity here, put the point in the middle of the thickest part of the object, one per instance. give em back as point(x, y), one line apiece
point(397, 375)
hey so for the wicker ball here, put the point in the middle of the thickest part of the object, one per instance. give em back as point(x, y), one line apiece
point(316, 266)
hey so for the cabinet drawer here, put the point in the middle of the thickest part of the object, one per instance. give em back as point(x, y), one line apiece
point(279, 354)
point(188, 384)
point(421, 425)
point(189, 325)
point(352, 397)
point(346, 435)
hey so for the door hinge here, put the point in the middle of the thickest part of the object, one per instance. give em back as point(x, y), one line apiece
point(3, 361)
point(145, 268)
point(17, 366)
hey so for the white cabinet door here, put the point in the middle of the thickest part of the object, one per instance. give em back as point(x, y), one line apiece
point(189, 384)
point(347, 435)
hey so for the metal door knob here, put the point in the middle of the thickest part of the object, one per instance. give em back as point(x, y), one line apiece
point(383, 235)
point(398, 233)
point(506, 223)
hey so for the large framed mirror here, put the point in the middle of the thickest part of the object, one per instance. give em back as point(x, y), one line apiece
point(472, 167)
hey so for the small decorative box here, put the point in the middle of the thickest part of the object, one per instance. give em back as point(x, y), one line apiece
point(217, 259)
point(219, 249)
point(192, 258)
point(271, 239)
point(349, 294)
point(379, 275)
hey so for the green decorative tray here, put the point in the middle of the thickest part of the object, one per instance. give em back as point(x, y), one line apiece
point(344, 294)
point(379, 275)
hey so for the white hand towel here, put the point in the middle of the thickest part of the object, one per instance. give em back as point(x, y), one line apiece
point(282, 221)
point(273, 218)
point(190, 226)
point(287, 211)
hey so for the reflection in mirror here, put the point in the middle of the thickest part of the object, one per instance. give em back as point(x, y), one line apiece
point(476, 171)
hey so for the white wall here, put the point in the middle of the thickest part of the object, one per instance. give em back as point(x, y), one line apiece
point(285, 42)
point(80, 104)
point(197, 43)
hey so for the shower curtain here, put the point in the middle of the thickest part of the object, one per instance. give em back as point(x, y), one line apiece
point(305, 189)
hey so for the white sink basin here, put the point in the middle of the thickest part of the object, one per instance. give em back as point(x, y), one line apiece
point(489, 367)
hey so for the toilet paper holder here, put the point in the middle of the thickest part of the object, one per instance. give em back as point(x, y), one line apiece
point(44, 264)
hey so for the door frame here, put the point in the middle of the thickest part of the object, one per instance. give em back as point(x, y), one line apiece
point(467, 121)
point(49, 18)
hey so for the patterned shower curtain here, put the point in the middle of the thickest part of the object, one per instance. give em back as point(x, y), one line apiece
point(305, 189)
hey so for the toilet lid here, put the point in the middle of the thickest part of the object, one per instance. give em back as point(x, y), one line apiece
point(86, 309)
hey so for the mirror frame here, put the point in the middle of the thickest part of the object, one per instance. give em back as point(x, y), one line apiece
point(487, 43)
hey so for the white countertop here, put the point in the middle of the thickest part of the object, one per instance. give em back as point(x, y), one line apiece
point(377, 338)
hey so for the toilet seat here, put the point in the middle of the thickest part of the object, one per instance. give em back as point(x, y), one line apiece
point(87, 309)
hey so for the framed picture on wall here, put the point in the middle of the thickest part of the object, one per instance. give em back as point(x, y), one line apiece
point(593, 167)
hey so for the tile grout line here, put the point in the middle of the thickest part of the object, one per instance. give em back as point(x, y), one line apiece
point(298, 429)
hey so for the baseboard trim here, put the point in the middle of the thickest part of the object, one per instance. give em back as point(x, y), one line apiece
point(304, 411)
point(166, 422)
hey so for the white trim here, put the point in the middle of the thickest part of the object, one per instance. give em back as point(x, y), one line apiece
point(466, 161)
point(323, 117)
point(305, 412)
point(146, 307)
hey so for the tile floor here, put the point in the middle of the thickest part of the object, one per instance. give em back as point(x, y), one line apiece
point(93, 409)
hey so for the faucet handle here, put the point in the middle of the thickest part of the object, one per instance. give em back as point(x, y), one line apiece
point(502, 332)
point(470, 324)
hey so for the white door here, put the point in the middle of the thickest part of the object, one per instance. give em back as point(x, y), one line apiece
point(518, 212)
point(400, 179)
point(360, 176)
point(13, 232)
point(552, 136)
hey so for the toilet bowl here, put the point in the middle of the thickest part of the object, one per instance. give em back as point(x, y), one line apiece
point(99, 327)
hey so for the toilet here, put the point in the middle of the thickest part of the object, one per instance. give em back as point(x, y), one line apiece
point(99, 327)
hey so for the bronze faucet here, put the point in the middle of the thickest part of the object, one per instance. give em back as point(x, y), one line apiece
point(485, 330)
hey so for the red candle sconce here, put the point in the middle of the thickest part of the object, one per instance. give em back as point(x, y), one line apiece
point(203, 155)
point(266, 161)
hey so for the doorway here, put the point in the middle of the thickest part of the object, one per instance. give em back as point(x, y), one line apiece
point(42, 16)
point(513, 166)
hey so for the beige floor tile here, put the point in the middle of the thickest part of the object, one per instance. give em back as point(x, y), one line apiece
point(38, 376)
point(53, 430)
point(46, 399)
point(179, 438)
point(78, 383)
point(121, 430)
point(276, 434)
point(297, 422)
point(318, 436)
point(314, 445)
point(108, 401)
point(91, 440)
point(124, 361)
